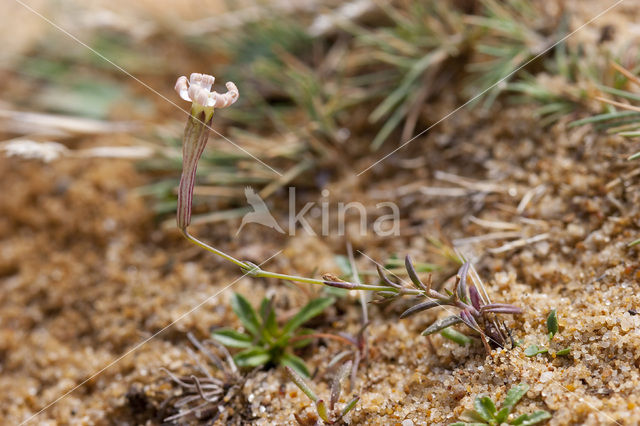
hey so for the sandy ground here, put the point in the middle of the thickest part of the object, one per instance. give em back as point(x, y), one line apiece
point(86, 275)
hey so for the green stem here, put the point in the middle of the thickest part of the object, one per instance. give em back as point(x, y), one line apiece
point(266, 274)
point(213, 250)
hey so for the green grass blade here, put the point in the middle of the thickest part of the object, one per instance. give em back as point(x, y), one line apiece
point(532, 350)
point(252, 357)
point(456, 336)
point(296, 364)
point(514, 395)
point(552, 323)
point(485, 407)
point(350, 406)
point(531, 419)
point(300, 383)
point(246, 314)
point(268, 316)
point(620, 93)
point(604, 117)
point(310, 310)
point(232, 338)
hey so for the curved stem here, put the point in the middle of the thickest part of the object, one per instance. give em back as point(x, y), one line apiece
point(259, 273)
point(213, 250)
point(266, 274)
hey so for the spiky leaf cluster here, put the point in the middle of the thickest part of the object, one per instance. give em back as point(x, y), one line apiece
point(486, 413)
point(265, 341)
point(469, 307)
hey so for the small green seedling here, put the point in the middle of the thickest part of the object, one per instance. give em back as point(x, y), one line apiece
point(486, 413)
point(456, 336)
point(552, 329)
point(267, 342)
point(329, 414)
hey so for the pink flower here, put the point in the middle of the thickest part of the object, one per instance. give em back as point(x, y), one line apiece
point(197, 90)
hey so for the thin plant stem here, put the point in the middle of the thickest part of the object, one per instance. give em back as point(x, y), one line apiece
point(259, 273)
point(267, 274)
point(213, 250)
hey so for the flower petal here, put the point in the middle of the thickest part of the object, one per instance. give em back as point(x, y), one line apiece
point(182, 88)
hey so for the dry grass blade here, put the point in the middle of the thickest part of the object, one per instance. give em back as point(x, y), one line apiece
point(59, 125)
point(626, 73)
point(618, 104)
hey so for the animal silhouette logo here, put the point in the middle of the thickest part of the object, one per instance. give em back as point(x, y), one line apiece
point(260, 214)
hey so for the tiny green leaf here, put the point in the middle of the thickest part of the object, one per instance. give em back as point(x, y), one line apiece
point(486, 408)
point(295, 363)
point(252, 357)
point(350, 406)
point(246, 314)
point(441, 324)
point(268, 316)
point(563, 352)
point(532, 350)
point(552, 323)
point(321, 408)
point(456, 336)
point(472, 416)
point(232, 338)
point(514, 395)
point(634, 243)
point(502, 415)
point(300, 383)
point(531, 419)
point(310, 310)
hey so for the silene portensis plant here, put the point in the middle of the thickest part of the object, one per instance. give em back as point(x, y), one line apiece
point(472, 308)
point(197, 90)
